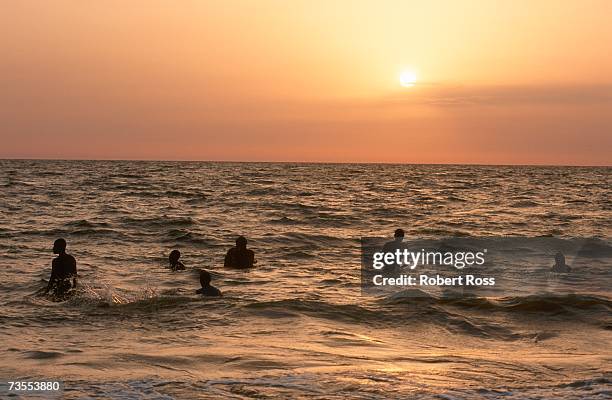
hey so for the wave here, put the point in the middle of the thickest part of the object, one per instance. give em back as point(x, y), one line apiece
point(71, 231)
point(83, 223)
point(185, 236)
point(542, 303)
point(524, 204)
point(384, 317)
point(201, 198)
point(296, 255)
point(307, 239)
point(149, 304)
point(132, 191)
point(452, 198)
point(587, 382)
point(442, 232)
point(345, 312)
point(161, 221)
point(284, 221)
point(595, 248)
point(262, 191)
point(97, 232)
point(42, 355)
point(552, 303)
point(104, 299)
point(179, 193)
point(127, 175)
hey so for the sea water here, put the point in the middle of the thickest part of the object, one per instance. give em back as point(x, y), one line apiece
point(297, 325)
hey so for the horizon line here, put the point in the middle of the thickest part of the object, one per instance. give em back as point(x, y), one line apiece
point(305, 162)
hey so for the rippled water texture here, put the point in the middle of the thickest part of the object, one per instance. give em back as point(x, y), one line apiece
point(297, 326)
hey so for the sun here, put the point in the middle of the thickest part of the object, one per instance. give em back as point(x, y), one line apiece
point(408, 78)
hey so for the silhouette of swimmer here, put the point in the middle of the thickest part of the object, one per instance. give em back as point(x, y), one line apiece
point(560, 265)
point(239, 256)
point(207, 289)
point(398, 237)
point(175, 264)
point(395, 244)
point(63, 269)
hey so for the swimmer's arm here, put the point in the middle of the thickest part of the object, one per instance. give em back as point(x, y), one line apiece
point(74, 274)
point(52, 279)
point(48, 286)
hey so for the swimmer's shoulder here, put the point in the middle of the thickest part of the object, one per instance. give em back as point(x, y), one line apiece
point(66, 259)
point(210, 291)
point(561, 269)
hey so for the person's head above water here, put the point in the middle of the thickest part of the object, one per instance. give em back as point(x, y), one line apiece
point(241, 242)
point(399, 234)
point(205, 278)
point(174, 257)
point(559, 258)
point(59, 246)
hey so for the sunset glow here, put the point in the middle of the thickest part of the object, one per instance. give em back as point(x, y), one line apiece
point(291, 81)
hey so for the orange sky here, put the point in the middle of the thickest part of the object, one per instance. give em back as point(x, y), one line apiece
point(527, 82)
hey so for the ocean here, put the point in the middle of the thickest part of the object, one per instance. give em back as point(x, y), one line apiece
point(298, 324)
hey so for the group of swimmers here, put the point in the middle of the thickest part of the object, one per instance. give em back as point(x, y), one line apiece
point(63, 278)
point(64, 273)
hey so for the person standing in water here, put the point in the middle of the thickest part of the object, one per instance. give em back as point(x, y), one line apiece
point(240, 257)
point(207, 289)
point(398, 238)
point(63, 270)
point(560, 265)
point(175, 264)
point(396, 244)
